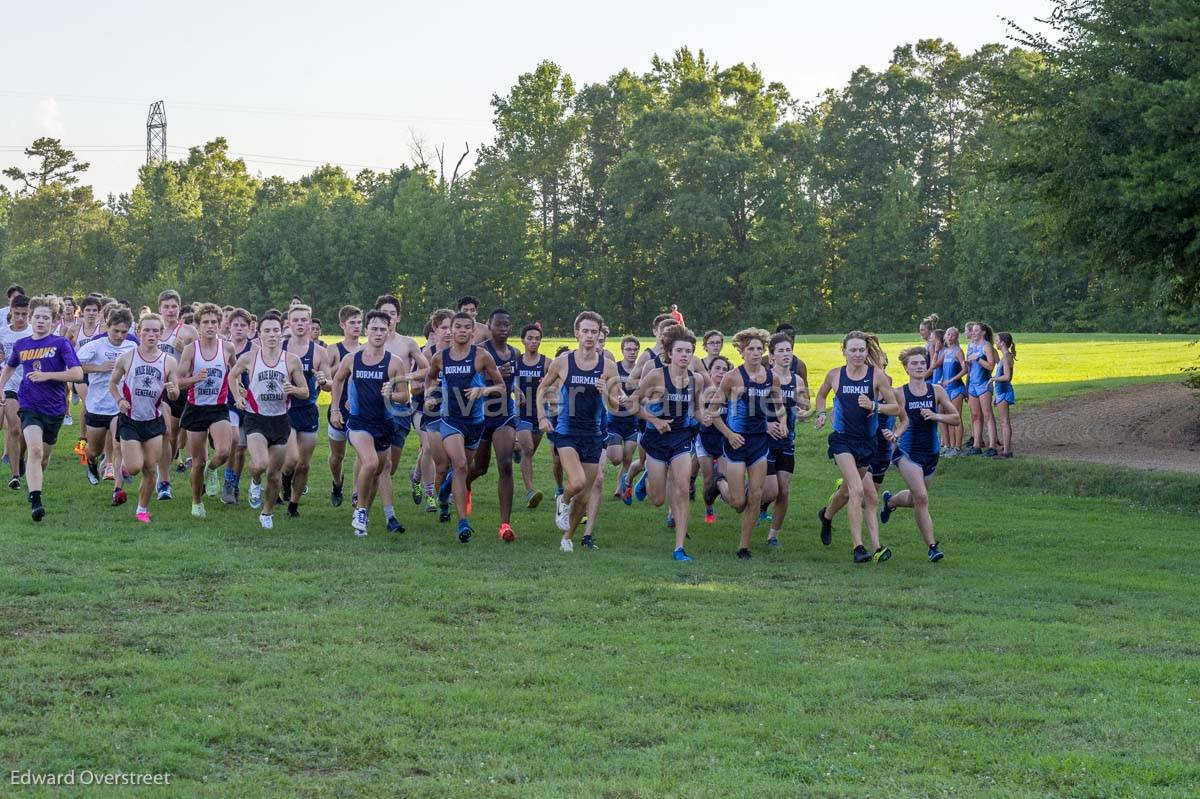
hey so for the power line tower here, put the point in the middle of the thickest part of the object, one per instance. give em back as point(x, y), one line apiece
point(156, 134)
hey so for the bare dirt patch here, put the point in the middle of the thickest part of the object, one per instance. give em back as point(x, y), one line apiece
point(1147, 426)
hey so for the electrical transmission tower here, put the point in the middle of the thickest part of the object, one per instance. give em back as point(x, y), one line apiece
point(156, 134)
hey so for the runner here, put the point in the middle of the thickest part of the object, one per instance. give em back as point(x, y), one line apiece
point(470, 305)
point(414, 366)
point(12, 291)
point(203, 372)
point(239, 344)
point(781, 454)
point(861, 395)
point(275, 377)
point(98, 357)
point(303, 416)
point(624, 426)
point(48, 363)
point(17, 329)
point(531, 368)
point(435, 464)
point(751, 393)
point(714, 342)
point(350, 319)
point(1004, 397)
point(177, 336)
point(585, 382)
point(367, 381)
point(499, 421)
point(140, 379)
point(670, 435)
point(709, 441)
point(467, 374)
point(922, 407)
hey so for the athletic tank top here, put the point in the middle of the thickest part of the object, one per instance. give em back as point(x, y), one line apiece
point(167, 342)
point(364, 394)
point(749, 412)
point(580, 406)
point(848, 417)
point(950, 366)
point(502, 407)
point(142, 386)
point(266, 395)
point(86, 335)
point(526, 385)
point(310, 375)
point(213, 389)
point(678, 402)
point(458, 375)
point(978, 375)
point(921, 437)
point(435, 393)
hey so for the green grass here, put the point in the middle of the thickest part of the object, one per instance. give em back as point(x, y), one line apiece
point(1053, 653)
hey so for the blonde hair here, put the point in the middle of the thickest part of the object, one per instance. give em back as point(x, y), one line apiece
point(744, 337)
point(875, 354)
point(913, 352)
point(151, 317)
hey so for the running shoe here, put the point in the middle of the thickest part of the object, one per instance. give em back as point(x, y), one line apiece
point(119, 497)
point(81, 450)
point(885, 512)
point(709, 516)
point(37, 511)
point(464, 531)
point(293, 510)
point(4, 460)
point(507, 534)
point(566, 546)
point(622, 484)
point(68, 420)
point(773, 542)
point(93, 473)
point(764, 518)
point(990, 452)
point(267, 522)
point(711, 492)
point(973, 451)
point(969, 443)
point(445, 488)
point(228, 494)
point(430, 504)
point(142, 517)
point(109, 474)
point(183, 466)
point(517, 456)
point(639, 488)
point(254, 498)
point(590, 542)
point(468, 502)
point(744, 554)
point(198, 510)
point(533, 499)
point(935, 554)
point(164, 491)
point(358, 521)
point(951, 452)
point(335, 495)
point(14, 483)
point(882, 554)
point(680, 555)
point(562, 514)
point(670, 521)
point(394, 525)
point(417, 491)
point(861, 555)
point(444, 513)
point(212, 482)
point(1005, 455)
point(627, 495)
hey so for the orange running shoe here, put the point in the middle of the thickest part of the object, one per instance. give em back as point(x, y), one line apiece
point(468, 502)
point(507, 533)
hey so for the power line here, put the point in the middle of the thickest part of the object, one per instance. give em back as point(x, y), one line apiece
point(252, 109)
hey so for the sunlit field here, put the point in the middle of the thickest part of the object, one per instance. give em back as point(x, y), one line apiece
point(1052, 653)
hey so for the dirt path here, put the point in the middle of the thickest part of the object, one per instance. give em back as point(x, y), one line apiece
point(1148, 426)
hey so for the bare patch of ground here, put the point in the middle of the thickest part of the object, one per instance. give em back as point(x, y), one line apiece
point(1147, 426)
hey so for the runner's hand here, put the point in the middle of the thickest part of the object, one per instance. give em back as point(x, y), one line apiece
point(927, 414)
point(661, 425)
point(335, 418)
point(777, 429)
point(735, 440)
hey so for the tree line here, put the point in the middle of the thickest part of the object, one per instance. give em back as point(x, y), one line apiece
point(1047, 184)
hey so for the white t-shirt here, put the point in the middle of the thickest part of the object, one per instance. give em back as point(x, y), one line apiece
point(4, 316)
point(98, 351)
point(8, 337)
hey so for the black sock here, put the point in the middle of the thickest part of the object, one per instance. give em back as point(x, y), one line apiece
point(293, 507)
point(35, 497)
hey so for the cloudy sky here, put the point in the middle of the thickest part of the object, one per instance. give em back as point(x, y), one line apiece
point(294, 85)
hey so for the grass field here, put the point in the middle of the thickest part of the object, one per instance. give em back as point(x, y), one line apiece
point(1053, 653)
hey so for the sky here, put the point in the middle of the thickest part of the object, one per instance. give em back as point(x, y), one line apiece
point(295, 85)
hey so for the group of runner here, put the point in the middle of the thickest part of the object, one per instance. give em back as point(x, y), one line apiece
point(231, 389)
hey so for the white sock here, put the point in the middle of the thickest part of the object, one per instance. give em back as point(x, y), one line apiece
point(141, 509)
point(389, 511)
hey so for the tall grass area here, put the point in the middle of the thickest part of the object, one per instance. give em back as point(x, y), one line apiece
point(1052, 653)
